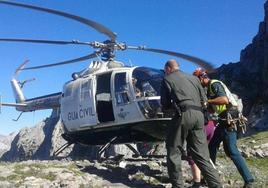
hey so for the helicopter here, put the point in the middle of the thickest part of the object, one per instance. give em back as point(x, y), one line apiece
point(107, 102)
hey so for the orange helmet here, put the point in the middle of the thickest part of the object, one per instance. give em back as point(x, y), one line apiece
point(200, 72)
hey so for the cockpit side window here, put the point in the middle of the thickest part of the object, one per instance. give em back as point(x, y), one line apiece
point(121, 88)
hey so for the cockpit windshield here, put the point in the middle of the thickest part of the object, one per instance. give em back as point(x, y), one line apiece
point(146, 84)
point(148, 81)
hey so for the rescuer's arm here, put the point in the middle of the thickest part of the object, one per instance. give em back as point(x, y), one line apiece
point(220, 95)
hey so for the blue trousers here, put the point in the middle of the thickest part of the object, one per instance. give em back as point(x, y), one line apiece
point(229, 139)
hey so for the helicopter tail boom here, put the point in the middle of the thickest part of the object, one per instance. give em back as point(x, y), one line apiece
point(51, 101)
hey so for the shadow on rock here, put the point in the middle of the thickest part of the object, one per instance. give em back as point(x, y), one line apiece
point(131, 175)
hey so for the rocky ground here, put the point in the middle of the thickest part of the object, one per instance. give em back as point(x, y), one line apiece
point(128, 172)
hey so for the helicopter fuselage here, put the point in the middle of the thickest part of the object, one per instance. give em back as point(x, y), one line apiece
point(103, 102)
point(101, 105)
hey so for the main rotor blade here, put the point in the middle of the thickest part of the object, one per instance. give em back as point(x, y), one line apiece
point(196, 60)
point(93, 24)
point(44, 41)
point(18, 70)
point(90, 56)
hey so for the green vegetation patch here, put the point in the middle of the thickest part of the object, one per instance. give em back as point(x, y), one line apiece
point(257, 166)
point(21, 171)
point(142, 178)
point(259, 163)
point(259, 169)
point(256, 139)
point(73, 168)
point(37, 170)
point(4, 163)
point(2, 178)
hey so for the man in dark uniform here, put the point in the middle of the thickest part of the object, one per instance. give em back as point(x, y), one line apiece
point(185, 94)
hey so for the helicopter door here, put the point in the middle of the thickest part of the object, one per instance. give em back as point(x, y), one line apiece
point(77, 104)
point(124, 107)
point(104, 99)
point(86, 106)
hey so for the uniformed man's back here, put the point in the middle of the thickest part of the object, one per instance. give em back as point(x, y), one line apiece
point(186, 88)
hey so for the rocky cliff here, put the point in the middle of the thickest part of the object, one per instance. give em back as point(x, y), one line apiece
point(5, 143)
point(249, 77)
point(37, 142)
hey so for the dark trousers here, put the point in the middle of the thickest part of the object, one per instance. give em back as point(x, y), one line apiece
point(229, 138)
point(189, 127)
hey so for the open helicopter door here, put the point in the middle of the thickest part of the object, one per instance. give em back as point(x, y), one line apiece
point(124, 108)
point(104, 98)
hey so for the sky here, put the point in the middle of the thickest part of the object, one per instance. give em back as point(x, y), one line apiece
point(215, 31)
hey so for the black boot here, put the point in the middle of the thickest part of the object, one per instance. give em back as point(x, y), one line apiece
point(248, 185)
point(196, 185)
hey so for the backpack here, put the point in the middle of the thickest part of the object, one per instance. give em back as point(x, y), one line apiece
point(234, 100)
point(238, 102)
point(237, 122)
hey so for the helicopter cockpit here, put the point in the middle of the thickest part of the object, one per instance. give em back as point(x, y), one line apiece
point(146, 85)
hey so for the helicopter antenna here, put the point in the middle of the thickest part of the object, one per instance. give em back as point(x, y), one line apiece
point(25, 81)
point(130, 62)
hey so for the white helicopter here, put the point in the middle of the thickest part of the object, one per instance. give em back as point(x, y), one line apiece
point(107, 102)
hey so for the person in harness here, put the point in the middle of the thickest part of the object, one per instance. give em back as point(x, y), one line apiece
point(220, 103)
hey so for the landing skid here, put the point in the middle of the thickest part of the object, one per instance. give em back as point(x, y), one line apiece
point(62, 148)
point(106, 146)
point(136, 152)
point(133, 149)
point(18, 117)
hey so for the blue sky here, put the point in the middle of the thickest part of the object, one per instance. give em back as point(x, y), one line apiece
point(213, 30)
